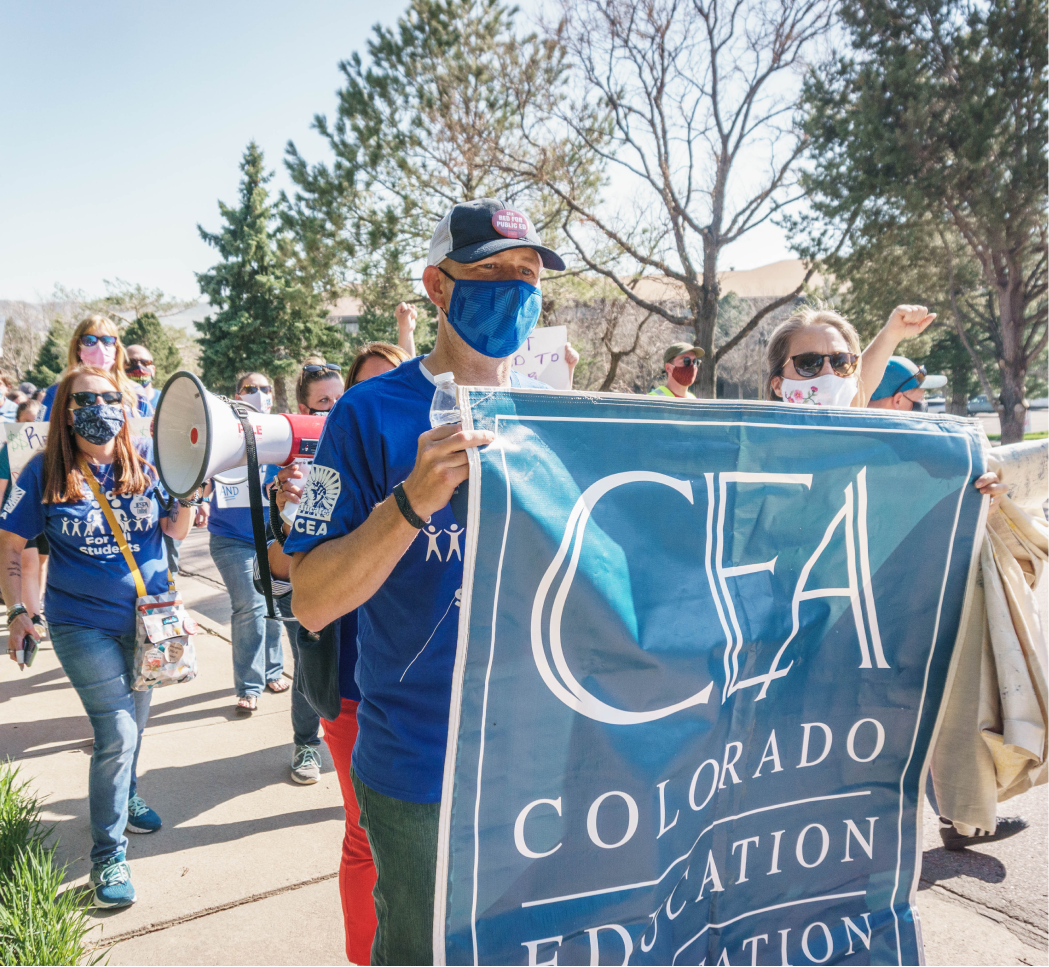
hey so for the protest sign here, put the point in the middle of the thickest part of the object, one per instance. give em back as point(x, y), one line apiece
point(25, 439)
point(702, 651)
point(543, 356)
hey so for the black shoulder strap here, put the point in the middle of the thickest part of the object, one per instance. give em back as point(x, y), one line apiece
point(258, 528)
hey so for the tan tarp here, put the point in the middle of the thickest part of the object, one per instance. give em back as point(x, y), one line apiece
point(992, 740)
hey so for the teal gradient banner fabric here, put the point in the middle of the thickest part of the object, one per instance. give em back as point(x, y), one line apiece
point(702, 651)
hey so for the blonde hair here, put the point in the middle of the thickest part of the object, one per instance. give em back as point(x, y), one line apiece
point(394, 355)
point(106, 327)
point(778, 350)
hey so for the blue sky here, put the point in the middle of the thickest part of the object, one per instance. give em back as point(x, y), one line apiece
point(123, 124)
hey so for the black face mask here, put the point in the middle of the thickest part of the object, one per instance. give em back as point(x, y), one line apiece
point(920, 407)
point(314, 412)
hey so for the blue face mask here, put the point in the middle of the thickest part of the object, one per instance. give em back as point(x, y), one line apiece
point(98, 423)
point(495, 318)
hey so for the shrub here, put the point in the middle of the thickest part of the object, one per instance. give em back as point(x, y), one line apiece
point(39, 922)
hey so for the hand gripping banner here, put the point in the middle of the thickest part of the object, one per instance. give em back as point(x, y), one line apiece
point(702, 651)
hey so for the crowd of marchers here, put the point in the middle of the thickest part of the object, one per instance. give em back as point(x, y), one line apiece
point(382, 474)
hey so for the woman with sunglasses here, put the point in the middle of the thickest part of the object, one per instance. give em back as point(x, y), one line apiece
point(319, 386)
point(96, 342)
point(258, 656)
point(91, 591)
point(814, 358)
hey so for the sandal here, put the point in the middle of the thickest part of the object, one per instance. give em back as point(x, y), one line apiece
point(247, 703)
point(277, 686)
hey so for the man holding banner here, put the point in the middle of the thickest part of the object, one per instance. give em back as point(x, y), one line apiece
point(381, 476)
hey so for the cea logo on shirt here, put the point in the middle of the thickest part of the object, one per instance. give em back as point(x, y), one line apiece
point(320, 493)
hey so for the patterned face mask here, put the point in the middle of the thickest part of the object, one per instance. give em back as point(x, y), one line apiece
point(98, 423)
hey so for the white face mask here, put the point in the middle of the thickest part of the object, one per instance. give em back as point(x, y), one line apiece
point(263, 402)
point(829, 390)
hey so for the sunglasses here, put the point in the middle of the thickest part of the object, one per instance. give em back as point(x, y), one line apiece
point(688, 362)
point(918, 377)
point(88, 398)
point(249, 388)
point(808, 365)
point(133, 364)
point(321, 368)
point(92, 340)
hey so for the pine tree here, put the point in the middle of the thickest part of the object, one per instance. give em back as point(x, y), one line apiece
point(267, 319)
point(147, 330)
point(53, 355)
point(936, 113)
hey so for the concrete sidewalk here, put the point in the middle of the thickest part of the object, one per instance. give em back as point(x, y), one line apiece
point(244, 871)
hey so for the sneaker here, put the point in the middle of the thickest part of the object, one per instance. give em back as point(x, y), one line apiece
point(111, 882)
point(140, 818)
point(306, 765)
point(953, 840)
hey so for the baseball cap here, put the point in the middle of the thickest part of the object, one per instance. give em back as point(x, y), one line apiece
point(901, 375)
point(677, 348)
point(473, 230)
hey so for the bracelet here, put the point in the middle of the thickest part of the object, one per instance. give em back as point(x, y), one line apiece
point(14, 612)
point(405, 507)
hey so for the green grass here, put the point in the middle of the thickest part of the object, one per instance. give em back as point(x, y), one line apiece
point(40, 923)
point(1041, 435)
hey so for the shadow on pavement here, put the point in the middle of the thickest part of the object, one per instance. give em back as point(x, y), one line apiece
point(941, 864)
point(180, 794)
point(22, 684)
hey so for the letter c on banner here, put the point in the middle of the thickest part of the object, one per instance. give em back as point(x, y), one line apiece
point(574, 695)
point(519, 840)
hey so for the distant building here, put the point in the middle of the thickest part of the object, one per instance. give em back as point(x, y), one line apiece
point(346, 313)
point(775, 279)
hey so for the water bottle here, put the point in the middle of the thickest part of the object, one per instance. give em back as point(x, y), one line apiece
point(445, 408)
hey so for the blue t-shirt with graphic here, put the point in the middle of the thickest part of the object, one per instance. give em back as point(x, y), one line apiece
point(407, 629)
point(88, 580)
point(230, 514)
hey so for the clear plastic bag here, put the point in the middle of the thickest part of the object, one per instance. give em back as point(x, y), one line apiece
point(164, 652)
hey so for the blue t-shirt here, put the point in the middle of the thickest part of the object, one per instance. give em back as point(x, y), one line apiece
point(407, 629)
point(88, 581)
point(142, 405)
point(8, 410)
point(230, 511)
point(348, 655)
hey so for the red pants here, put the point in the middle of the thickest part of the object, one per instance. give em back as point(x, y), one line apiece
point(356, 870)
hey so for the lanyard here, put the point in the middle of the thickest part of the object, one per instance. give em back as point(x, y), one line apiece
point(114, 526)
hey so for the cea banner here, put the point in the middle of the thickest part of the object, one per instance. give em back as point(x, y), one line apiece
point(702, 651)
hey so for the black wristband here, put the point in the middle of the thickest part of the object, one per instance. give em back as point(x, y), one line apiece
point(405, 507)
point(15, 612)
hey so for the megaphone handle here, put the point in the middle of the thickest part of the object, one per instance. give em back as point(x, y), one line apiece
point(255, 499)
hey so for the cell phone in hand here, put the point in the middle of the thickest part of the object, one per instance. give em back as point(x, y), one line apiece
point(26, 654)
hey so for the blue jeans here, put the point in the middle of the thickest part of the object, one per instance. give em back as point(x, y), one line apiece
point(99, 666)
point(258, 657)
point(305, 722)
